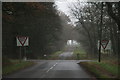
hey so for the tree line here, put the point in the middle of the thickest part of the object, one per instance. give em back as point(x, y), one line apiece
point(97, 21)
point(39, 21)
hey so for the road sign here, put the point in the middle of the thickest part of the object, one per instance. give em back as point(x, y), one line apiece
point(108, 47)
point(22, 40)
point(104, 43)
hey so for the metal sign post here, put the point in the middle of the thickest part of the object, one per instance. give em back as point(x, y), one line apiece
point(100, 32)
point(25, 57)
point(22, 41)
point(20, 54)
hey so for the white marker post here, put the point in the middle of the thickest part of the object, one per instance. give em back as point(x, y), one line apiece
point(22, 41)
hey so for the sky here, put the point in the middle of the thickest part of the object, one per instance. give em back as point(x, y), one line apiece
point(53, 0)
point(66, 6)
point(63, 6)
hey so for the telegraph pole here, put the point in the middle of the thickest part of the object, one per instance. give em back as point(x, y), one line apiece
point(100, 32)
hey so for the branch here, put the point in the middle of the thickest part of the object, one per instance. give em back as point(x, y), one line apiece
point(110, 12)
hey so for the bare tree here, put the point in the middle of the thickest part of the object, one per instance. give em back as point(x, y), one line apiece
point(83, 12)
point(95, 23)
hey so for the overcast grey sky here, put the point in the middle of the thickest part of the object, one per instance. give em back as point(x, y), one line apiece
point(59, 0)
point(63, 5)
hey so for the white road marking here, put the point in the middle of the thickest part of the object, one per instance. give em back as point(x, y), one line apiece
point(51, 67)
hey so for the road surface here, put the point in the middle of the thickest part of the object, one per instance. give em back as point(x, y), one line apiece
point(53, 69)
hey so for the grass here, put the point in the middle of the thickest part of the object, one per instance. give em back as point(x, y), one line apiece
point(111, 68)
point(79, 51)
point(15, 66)
point(102, 69)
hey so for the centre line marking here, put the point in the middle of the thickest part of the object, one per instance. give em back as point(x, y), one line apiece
point(51, 67)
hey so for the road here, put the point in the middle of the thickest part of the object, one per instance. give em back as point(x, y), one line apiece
point(53, 69)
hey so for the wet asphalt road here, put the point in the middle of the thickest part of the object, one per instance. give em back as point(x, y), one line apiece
point(53, 69)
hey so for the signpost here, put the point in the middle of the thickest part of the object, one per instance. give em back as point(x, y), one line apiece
point(22, 41)
point(104, 44)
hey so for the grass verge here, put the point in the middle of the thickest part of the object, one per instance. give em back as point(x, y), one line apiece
point(79, 53)
point(15, 66)
point(102, 70)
